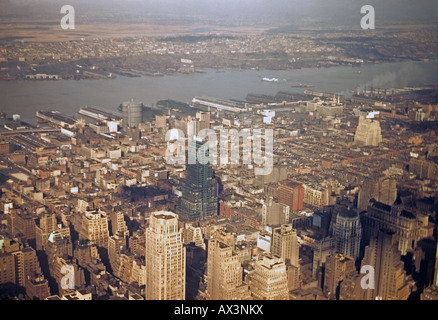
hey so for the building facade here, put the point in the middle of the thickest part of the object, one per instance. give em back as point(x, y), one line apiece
point(224, 273)
point(165, 258)
point(199, 191)
point(269, 279)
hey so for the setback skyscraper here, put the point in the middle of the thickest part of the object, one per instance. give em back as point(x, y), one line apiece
point(199, 191)
point(165, 258)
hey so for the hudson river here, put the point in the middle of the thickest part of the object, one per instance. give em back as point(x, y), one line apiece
point(67, 96)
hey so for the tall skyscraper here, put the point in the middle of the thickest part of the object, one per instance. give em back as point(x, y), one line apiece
point(132, 112)
point(337, 268)
point(347, 231)
point(199, 191)
point(368, 132)
point(389, 275)
point(385, 190)
point(285, 244)
point(165, 258)
point(382, 189)
point(224, 273)
point(269, 279)
point(405, 224)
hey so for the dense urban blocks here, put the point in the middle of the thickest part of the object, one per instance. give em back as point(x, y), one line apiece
point(294, 190)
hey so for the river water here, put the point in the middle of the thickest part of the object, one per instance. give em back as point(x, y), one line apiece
point(67, 96)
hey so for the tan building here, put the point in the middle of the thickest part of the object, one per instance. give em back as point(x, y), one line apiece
point(224, 273)
point(37, 288)
point(23, 225)
point(382, 189)
point(118, 223)
point(26, 263)
point(274, 213)
point(165, 258)
point(67, 274)
point(95, 227)
point(116, 244)
point(285, 244)
point(139, 272)
point(337, 268)
point(46, 224)
point(124, 265)
point(423, 167)
point(389, 275)
point(351, 289)
point(385, 190)
point(85, 252)
point(17, 262)
point(226, 237)
point(406, 225)
point(160, 121)
point(193, 234)
point(269, 279)
point(7, 268)
point(368, 132)
point(203, 121)
point(137, 243)
point(316, 196)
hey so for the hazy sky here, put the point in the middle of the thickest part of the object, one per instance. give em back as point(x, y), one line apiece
point(336, 12)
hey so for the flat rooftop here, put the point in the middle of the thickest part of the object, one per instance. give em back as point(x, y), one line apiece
point(164, 215)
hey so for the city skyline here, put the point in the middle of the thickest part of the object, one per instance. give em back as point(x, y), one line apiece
point(206, 153)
